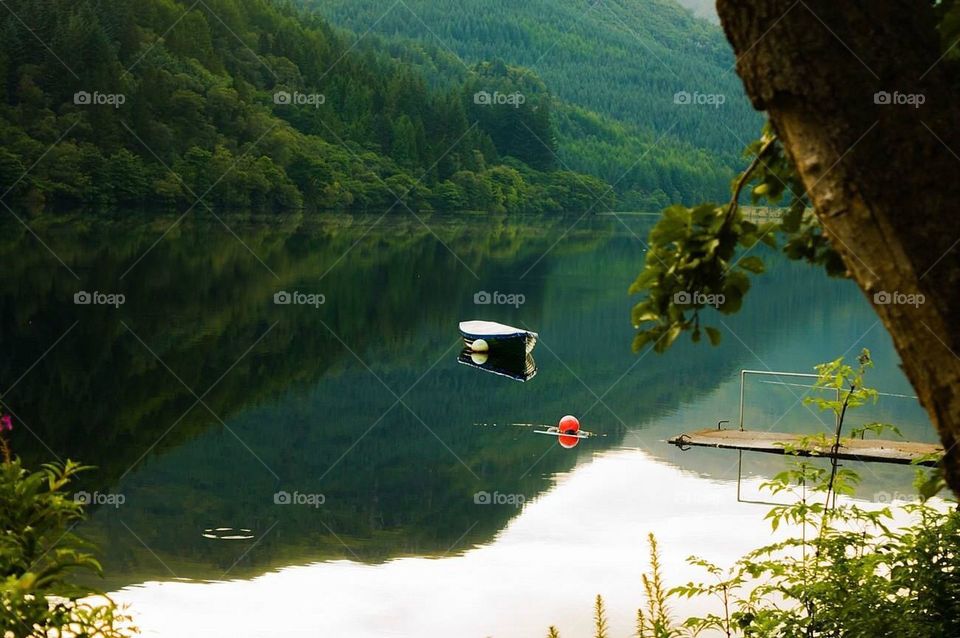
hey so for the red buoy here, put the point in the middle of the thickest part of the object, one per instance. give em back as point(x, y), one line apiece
point(569, 425)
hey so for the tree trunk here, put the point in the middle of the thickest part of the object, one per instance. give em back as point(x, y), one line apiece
point(884, 178)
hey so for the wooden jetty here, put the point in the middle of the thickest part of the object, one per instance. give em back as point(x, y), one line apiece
point(871, 450)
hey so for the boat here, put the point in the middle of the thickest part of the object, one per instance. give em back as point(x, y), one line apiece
point(481, 336)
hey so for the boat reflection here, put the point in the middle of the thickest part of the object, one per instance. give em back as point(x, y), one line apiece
point(515, 364)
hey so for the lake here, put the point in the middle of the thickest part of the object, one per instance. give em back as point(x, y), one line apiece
point(327, 467)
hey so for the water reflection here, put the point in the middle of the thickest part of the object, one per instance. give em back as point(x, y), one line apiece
point(229, 534)
point(582, 537)
point(518, 366)
point(200, 399)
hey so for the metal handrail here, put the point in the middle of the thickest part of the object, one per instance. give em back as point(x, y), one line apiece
point(769, 373)
point(744, 373)
point(880, 394)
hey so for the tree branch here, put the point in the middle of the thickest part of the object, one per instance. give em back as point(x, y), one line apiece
point(745, 176)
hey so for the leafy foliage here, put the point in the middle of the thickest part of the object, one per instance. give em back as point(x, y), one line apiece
point(39, 554)
point(904, 580)
point(651, 149)
point(691, 262)
point(669, 170)
point(847, 382)
point(249, 103)
point(948, 17)
point(850, 573)
point(701, 256)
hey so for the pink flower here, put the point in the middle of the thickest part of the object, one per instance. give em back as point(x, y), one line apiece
point(6, 423)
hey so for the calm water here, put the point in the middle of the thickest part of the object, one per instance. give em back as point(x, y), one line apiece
point(204, 404)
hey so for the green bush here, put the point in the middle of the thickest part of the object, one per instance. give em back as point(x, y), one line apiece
point(40, 554)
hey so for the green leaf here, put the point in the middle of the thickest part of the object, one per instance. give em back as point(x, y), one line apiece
point(736, 283)
point(670, 337)
point(791, 221)
point(641, 339)
point(673, 226)
point(752, 264)
point(714, 335)
point(767, 235)
point(644, 280)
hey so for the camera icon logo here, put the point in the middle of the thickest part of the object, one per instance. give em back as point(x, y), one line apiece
point(882, 97)
point(82, 298)
point(682, 97)
point(82, 98)
point(282, 298)
point(882, 298)
point(282, 97)
point(482, 498)
point(482, 298)
point(82, 497)
point(482, 97)
point(682, 298)
point(282, 498)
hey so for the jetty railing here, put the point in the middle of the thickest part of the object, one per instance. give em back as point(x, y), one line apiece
point(771, 373)
point(743, 376)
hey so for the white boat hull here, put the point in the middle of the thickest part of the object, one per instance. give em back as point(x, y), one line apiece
point(498, 335)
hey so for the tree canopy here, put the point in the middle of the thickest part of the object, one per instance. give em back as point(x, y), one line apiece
point(244, 103)
point(614, 68)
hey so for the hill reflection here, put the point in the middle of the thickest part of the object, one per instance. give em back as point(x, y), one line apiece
point(201, 400)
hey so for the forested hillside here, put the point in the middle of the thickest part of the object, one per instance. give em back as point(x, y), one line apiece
point(248, 103)
point(616, 67)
